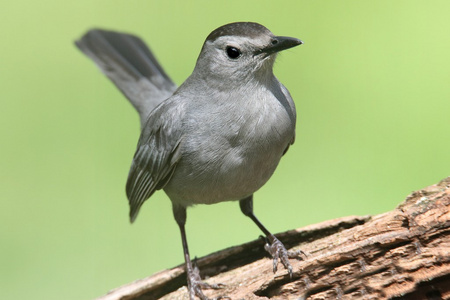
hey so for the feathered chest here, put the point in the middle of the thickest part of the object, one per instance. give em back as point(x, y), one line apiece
point(245, 125)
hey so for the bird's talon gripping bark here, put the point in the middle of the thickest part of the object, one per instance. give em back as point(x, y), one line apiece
point(196, 285)
point(278, 252)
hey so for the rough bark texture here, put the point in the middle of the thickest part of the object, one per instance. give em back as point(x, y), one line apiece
point(402, 254)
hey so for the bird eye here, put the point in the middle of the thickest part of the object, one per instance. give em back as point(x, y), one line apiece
point(233, 52)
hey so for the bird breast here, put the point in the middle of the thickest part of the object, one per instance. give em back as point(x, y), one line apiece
point(231, 148)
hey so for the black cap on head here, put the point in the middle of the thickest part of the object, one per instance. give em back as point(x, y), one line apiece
point(248, 29)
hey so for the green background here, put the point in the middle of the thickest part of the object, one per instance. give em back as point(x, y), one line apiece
point(371, 85)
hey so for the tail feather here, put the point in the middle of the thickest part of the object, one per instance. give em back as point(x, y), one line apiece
point(130, 64)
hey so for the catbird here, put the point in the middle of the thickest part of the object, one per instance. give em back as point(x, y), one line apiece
point(218, 137)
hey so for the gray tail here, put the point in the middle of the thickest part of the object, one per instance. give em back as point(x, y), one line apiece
point(130, 64)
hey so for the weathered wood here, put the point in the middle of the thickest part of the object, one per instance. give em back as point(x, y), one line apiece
point(402, 254)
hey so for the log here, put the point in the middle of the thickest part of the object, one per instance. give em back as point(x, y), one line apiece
point(401, 254)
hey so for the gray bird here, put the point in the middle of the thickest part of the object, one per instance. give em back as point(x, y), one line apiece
point(218, 137)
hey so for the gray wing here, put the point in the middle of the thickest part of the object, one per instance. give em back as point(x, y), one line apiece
point(293, 111)
point(156, 157)
point(130, 64)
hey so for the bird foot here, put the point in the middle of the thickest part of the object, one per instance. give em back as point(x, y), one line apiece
point(196, 286)
point(278, 252)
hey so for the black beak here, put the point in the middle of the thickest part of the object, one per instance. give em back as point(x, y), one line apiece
point(280, 43)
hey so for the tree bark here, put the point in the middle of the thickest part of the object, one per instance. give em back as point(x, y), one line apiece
point(401, 254)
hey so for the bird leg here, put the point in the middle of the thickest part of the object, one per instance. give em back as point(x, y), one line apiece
point(273, 245)
point(194, 281)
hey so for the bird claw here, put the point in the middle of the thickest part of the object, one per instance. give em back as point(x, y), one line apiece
point(278, 252)
point(196, 286)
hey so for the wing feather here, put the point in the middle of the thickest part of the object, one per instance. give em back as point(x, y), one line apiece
point(156, 157)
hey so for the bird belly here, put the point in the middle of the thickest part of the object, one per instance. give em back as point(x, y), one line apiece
point(233, 164)
point(230, 177)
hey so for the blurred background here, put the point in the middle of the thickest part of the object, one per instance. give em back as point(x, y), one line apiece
point(371, 85)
